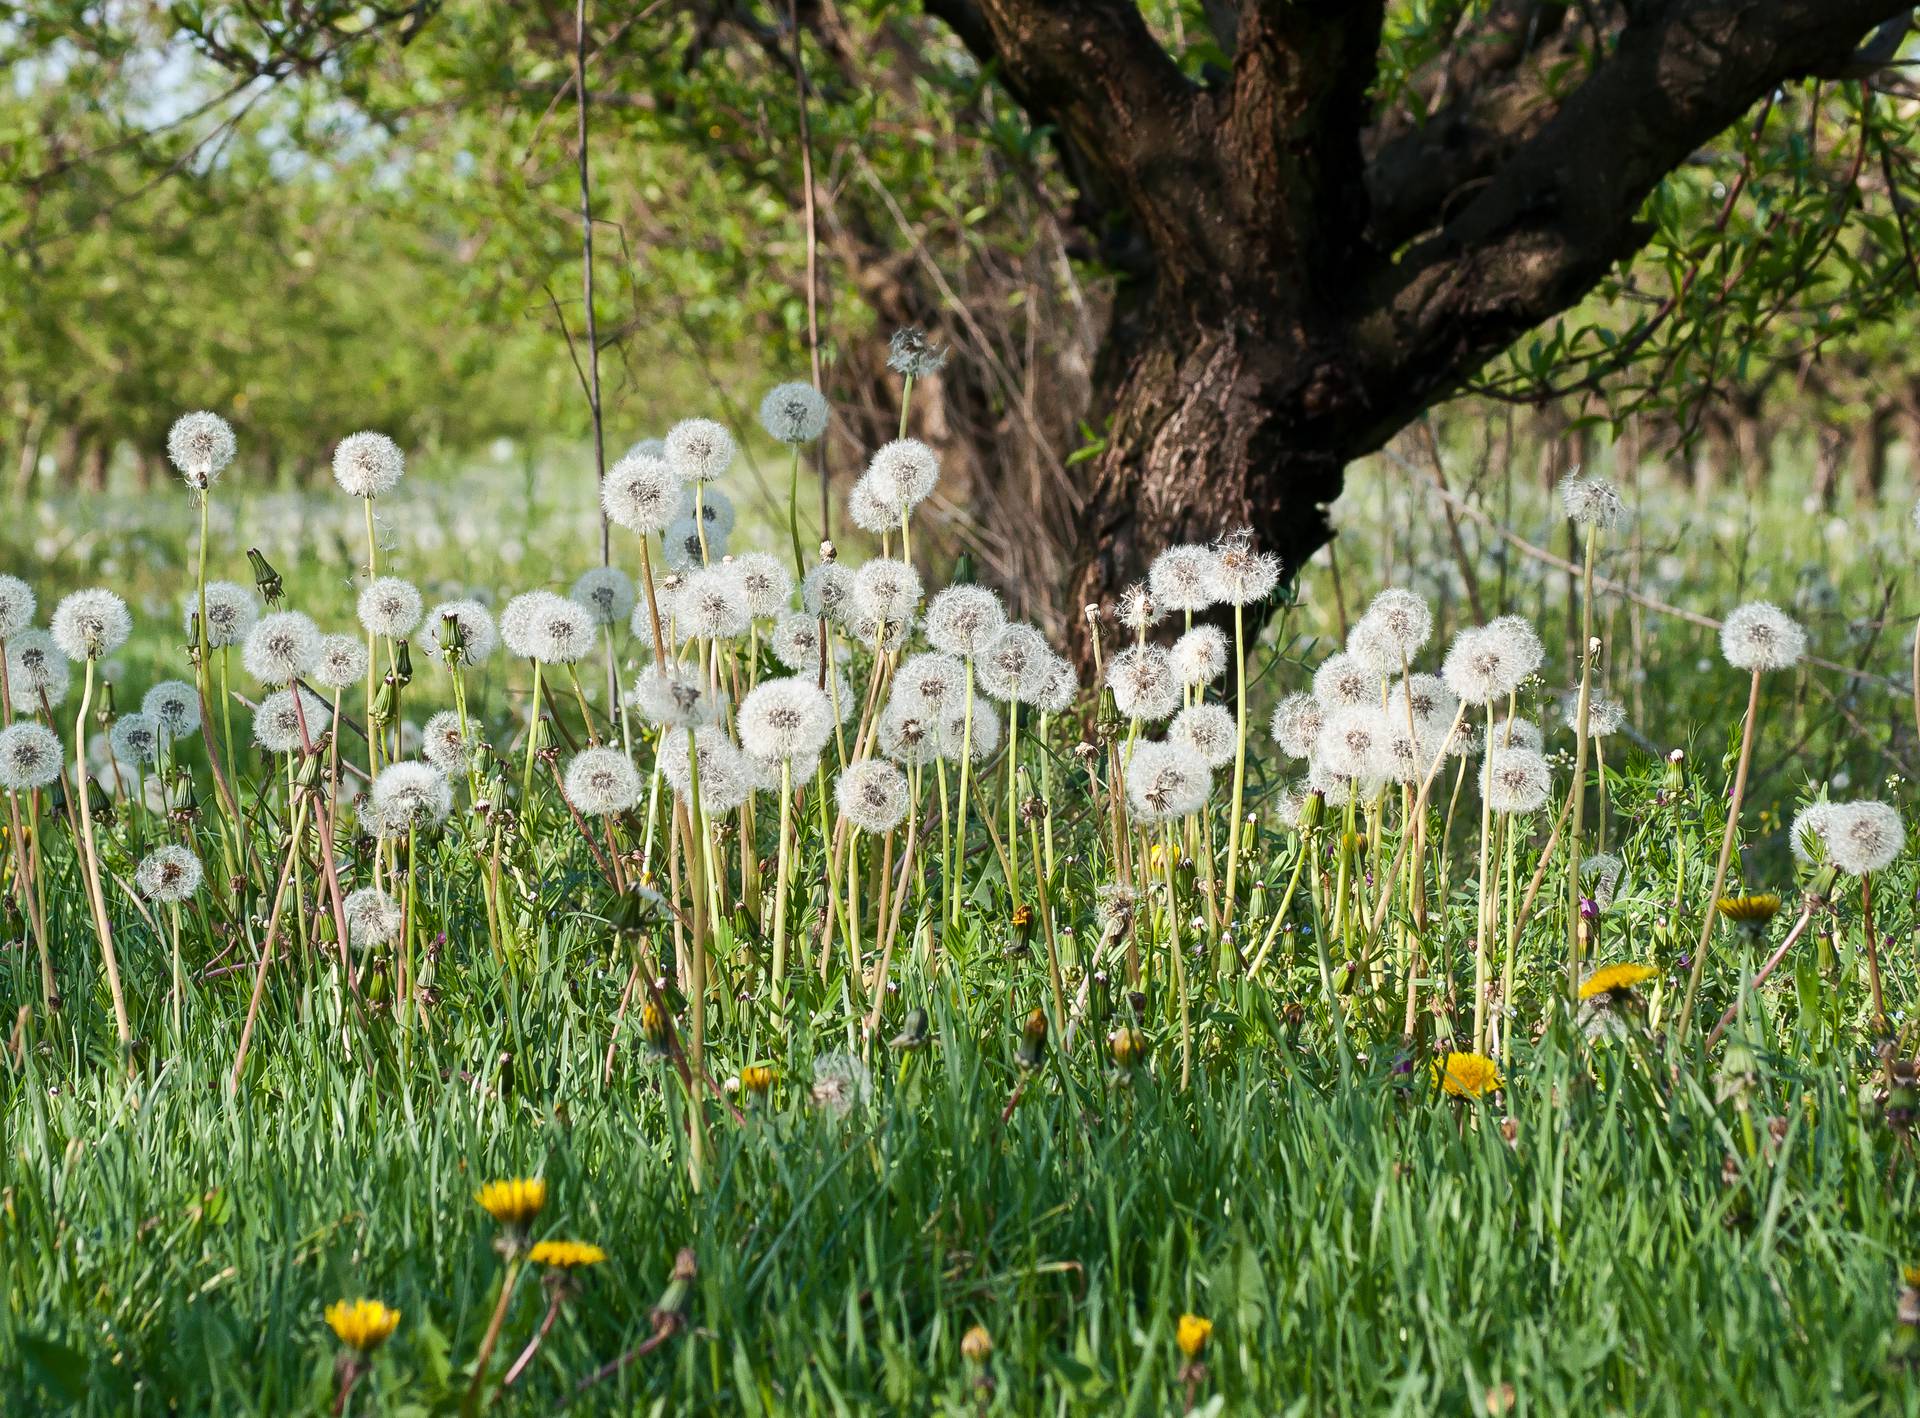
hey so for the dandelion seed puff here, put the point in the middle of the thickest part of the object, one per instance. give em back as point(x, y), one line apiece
point(1480, 666)
point(606, 593)
point(827, 592)
point(872, 794)
point(1200, 656)
point(962, 620)
point(641, 492)
point(767, 583)
point(1059, 686)
point(1208, 730)
point(785, 719)
point(986, 730)
point(909, 732)
point(91, 624)
point(565, 631)
point(341, 661)
point(1760, 636)
point(1516, 780)
point(1114, 905)
point(1165, 781)
point(929, 681)
point(601, 782)
point(1339, 789)
point(174, 706)
point(1344, 682)
point(1016, 663)
point(281, 647)
point(17, 605)
point(522, 623)
point(707, 507)
point(1185, 578)
point(1811, 828)
point(1296, 724)
point(882, 637)
point(795, 642)
point(1369, 645)
point(1353, 741)
point(410, 795)
point(1515, 733)
point(1605, 715)
point(676, 698)
point(872, 507)
point(444, 744)
point(232, 610)
point(1136, 610)
point(911, 353)
point(700, 450)
point(135, 739)
point(793, 414)
point(1291, 804)
point(905, 471)
point(1243, 576)
point(200, 445)
point(1407, 754)
point(30, 756)
point(886, 589)
point(724, 781)
point(1865, 837)
point(1591, 501)
point(37, 672)
point(1402, 621)
point(373, 918)
point(1426, 698)
point(1143, 682)
point(1521, 643)
point(276, 723)
point(712, 606)
point(368, 464)
point(390, 606)
point(478, 635)
point(168, 874)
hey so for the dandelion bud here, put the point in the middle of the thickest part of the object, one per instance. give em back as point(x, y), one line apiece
point(264, 577)
point(976, 1345)
point(1032, 1050)
point(1128, 1046)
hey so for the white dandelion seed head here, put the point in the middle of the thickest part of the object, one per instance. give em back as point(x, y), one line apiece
point(168, 874)
point(1864, 837)
point(36, 672)
point(523, 623)
point(601, 782)
point(30, 756)
point(709, 507)
point(911, 353)
point(1521, 643)
point(1480, 666)
point(1406, 754)
point(1291, 803)
point(1016, 663)
point(1165, 781)
point(232, 610)
point(1600, 878)
point(795, 642)
point(1245, 576)
point(276, 723)
point(872, 795)
point(827, 592)
point(17, 605)
point(444, 745)
point(793, 413)
point(1516, 780)
point(200, 445)
point(368, 464)
point(1353, 741)
point(1208, 731)
point(1514, 732)
point(873, 508)
point(886, 589)
point(173, 705)
point(641, 493)
point(373, 918)
point(1185, 578)
point(1427, 699)
point(842, 1085)
point(1605, 714)
point(606, 593)
point(479, 637)
point(390, 606)
point(930, 682)
point(1337, 788)
point(410, 795)
point(1058, 686)
point(676, 698)
point(1143, 682)
point(1400, 624)
point(342, 661)
point(979, 739)
point(725, 780)
point(1343, 681)
point(90, 624)
point(909, 732)
point(962, 620)
point(1113, 907)
point(882, 637)
point(566, 631)
point(1296, 723)
point(712, 605)
point(281, 647)
point(1200, 656)
point(1812, 826)
point(135, 738)
point(904, 472)
point(1591, 501)
point(1136, 610)
point(765, 580)
point(681, 546)
point(785, 719)
point(1759, 636)
point(700, 450)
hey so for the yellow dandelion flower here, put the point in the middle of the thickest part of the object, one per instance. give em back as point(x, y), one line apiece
point(977, 1344)
point(1753, 909)
point(1193, 1334)
point(1910, 1276)
point(513, 1202)
point(361, 1324)
point(566, 1255)
point(1466, 1075)
point(756, 1078)
point(1611, 978)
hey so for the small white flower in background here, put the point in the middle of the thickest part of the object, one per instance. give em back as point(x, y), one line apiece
point(91, 624)
point(169, 874)
point(478, 635)
point(793, 413)
point(641, 493)
point(1165, 781)
point(341, 661)
point(602, 781)
point(174, 706)
point(841, 1084)
point(232, 610)
point(699, 450)
point(1759, 636)
point(872, 794)
point(1605, 715)
point(373, 918)
point(1591, 501)
point(713, 509)
point(1516, 780)
point(724, 771)
point(37, 672)
point(1208, 730)
point(200, 445)
point(411, 795)
point(16, 606)
point(1185, 578)
point(281, 647)
point(368, 464)
point(30, 757)
point(606, 593)
point(390, 606)
point(683, 549)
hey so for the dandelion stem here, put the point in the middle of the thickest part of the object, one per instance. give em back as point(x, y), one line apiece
point(1748, 732)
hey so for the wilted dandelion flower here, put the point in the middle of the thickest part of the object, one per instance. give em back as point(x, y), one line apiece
point(1058, 686)
point(373, 918)
point(368, 464)
point(168, 874)
point(135, 739)
point(785, 719)
point(1591, 501)
point(676, 698)
point(641, 493)
point(1015, 664)
point(904, 472)
point(886, 589)
point(232, 610)
point(606, 593)
point(1143, 682)
point(1207, 730)
point(1243, 576)
point(841, 1083)
point(341, 661)
point(1165, 781)
point(872, 794)
point(724, 782)
point(909, 352)
point(1481, 666)
point(1136, 610)
point(36, 671)
point(281, 647)
point(391, 607)
point(1760, 636)
point(30, 756)
point(712, 606)
point(90, 624)
point(985, 731)
point(827, 592)
point(1185, 578)
point(962, 620)
point(1516, 780)
point(767, 583)
point(1864, 837)
point(16, 606)
point(699, 450)
point(602, 781)
point(793, 413)
point(1353, 742)
point(200, 445)
point(276, 723)
point(1296, 723)
point(1200, 656)
point(478, 636)
point(1344, 682)
point(411, 795)
point(174, 706)
point(444, 745)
